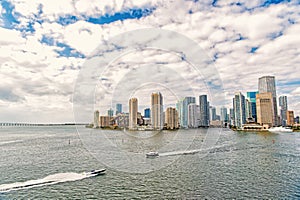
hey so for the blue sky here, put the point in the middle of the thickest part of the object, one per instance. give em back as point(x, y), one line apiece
point(44, 45)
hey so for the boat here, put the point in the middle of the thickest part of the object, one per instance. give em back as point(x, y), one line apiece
point(152, 154)
point(97, 172)
point(280, 129)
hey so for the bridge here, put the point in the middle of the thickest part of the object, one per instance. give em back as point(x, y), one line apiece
point(38, 124)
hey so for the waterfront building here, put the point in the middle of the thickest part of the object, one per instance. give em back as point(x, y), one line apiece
point(157, 110)
point(105, 121)
point(223, 114)
point(212, 113)
point(96, 119)
point(147, 113)
point(118, 108)
point(267, 84)
point(179, 106)
point(204, 111)
point(133, 113)
point(239, 109)
point(193, 115)
point(283, 110)
point(251, 107)
point(184, 110)
point(265, 109)
point(122, 120)
point(171, 118)
point(110, 112)
point(231, 116)
point(290, 118)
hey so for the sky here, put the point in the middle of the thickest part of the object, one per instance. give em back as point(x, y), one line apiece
point(45, 45)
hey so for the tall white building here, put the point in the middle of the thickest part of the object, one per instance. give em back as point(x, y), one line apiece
point(157, 111)
point(239, 109)
point(133, 113)
point(96, 119)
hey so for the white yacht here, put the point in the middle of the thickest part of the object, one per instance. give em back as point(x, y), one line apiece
point(152, 154)
point(280, 129)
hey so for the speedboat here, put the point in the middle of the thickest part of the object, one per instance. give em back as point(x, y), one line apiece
point(280, 129)
point(97, 172)
point(152, 154)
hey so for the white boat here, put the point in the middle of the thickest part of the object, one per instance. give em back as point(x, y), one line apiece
point(97, 172)
point(280, 129)
point(152, 154)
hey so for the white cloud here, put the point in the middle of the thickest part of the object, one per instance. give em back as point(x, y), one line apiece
point(25, 61)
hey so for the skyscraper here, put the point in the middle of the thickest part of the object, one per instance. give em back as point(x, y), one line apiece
point(110, 112)
point(204, 111)
point(224, 114)
point(267, 84)
point(193, 115)
point(283, 109)
point(147, 113)
point(118, 108)
point(184, 110)
point(239, 109)
point(96, 119)
point(171, 118)
point(212, 113)
point(133, 112)
point(264, 107)
point(290, 118)
point(157, 110)
point(251, 107)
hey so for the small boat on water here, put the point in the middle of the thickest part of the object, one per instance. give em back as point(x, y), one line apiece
point(152, 154)
point(280, 129)
point(97, 172)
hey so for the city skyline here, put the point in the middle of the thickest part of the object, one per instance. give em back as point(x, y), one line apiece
point(43, 49)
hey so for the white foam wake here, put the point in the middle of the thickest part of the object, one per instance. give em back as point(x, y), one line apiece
point(10, 142)
point(48, 180)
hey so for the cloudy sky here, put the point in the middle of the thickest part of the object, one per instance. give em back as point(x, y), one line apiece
point(45, 44)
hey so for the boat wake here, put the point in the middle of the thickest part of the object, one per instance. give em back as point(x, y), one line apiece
point(48, 180)
point(10, 142)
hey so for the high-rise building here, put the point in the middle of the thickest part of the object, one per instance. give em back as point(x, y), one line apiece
point(267, 84)
point(223, 114)
point(96, 119)
point(212, 113)
point(110, 112)
point(296, 120)
point(231, 117)
point(239, 109)
point(265, 109)
point(184, 111)
point(290, 118)
point(283, 109)
point(157, 111)
point(193, 115)
point(251, 105)
point(179, 106)
point(118, 108)
point(204, 111)
point(133, 113)
point(171, 118)
point(147, 113)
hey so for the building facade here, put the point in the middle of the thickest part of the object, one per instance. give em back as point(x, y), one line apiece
point(265, 109)
point(204, 111)
point(96, 119)
point(171, 118)
point(133, 113)
point(157, 111)
point(193, 115)
point(267, 84)
point(239, 109)
point(118, 108)
point(290, 118)
point(184, 111)
point(283, 110)
point(251, 106)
